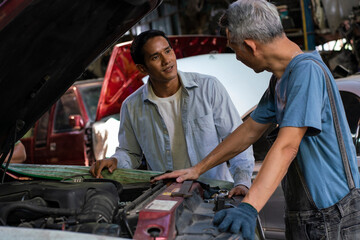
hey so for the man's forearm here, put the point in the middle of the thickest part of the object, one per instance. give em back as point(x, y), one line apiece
point(245, 135)
point(275, 166)
point(237, 142)
point(273, 169)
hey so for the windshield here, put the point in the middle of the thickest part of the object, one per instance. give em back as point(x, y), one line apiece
point(90, 94)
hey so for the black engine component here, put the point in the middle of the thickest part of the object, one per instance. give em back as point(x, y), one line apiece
point(107, 229)
point(82, 207)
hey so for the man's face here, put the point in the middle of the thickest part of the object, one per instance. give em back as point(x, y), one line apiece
point(160, 60)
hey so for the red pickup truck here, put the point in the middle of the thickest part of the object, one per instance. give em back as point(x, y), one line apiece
point(61, 135)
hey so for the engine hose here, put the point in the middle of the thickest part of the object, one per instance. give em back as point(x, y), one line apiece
point(99, 207)
point(117, 184)
point(6, 209)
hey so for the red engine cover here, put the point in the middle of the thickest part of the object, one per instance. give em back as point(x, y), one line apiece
point(158, 217)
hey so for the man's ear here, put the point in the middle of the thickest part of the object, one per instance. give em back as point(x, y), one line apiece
point(251, 45)
point(142, 68)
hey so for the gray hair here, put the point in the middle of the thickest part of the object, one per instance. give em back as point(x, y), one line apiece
point(254, 19)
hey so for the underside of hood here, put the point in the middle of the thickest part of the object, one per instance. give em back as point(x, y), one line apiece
point(46, 45)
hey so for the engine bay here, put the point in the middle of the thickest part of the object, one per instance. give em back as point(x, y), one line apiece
point(165, 210)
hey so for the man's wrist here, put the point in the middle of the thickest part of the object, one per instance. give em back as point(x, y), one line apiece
point(245, 200)
point(249, 207)
point(197, 169)
point(114, 160)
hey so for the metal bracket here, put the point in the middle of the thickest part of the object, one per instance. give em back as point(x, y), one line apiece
point(184, 190)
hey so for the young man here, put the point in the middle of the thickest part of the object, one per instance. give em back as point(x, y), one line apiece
point(175, 119)
point(321, 192)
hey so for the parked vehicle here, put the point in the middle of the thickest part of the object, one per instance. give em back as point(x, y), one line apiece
point(61, 135)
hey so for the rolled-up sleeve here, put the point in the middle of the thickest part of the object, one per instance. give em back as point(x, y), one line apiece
point(128, 153)
point(242, 166)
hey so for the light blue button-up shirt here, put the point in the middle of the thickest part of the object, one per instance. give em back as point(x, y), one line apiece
point(208, 116)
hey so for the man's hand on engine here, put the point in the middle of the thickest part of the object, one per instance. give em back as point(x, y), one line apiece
point(242, 218)
point(98, 166)
point(239, 190)
point(180, 175)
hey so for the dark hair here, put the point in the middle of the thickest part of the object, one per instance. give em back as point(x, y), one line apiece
point(137, 45)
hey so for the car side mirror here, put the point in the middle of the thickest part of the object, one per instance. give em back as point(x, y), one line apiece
point(76, 122)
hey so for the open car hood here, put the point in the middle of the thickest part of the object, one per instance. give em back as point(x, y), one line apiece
point(122, 77)
point(46, 45)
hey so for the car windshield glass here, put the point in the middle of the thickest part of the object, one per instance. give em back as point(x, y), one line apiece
point(65, 107)
point(90, 95)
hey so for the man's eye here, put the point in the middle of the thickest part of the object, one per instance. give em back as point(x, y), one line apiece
point(167, 50)
point(154, 58)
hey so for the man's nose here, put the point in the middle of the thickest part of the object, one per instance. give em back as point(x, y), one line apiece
point(165, 60)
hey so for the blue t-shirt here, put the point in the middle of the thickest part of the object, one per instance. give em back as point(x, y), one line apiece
point(301, 100)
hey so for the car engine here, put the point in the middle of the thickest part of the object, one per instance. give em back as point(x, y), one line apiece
point(166, 210)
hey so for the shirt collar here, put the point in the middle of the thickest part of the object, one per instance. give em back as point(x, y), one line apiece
point(186, 82)
point(314, 55)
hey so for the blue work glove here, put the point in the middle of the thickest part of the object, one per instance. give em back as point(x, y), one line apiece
point(235, 219)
